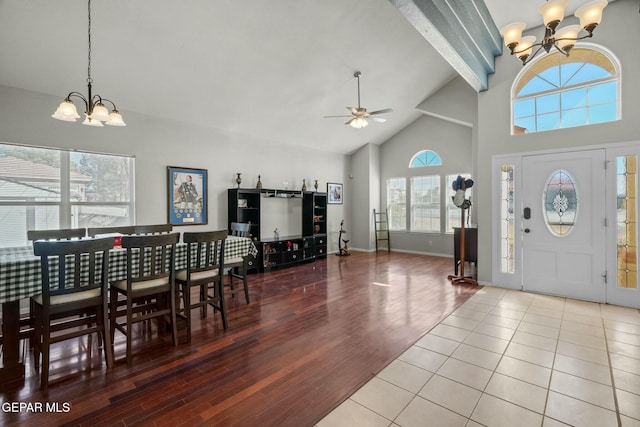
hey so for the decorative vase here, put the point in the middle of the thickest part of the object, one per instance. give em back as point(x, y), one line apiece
point(259, 183)
point(315, 185)
point(238, 179)
point(304, 185)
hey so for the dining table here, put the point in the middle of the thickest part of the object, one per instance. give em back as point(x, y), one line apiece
point(20, 278)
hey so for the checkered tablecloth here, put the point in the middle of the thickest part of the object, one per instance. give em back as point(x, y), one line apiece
point(20, 268)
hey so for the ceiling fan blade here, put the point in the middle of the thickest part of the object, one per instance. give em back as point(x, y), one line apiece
point(386, 110)
point(330, 117)
point(353, 110)
point(378, 119)
point(349, 121)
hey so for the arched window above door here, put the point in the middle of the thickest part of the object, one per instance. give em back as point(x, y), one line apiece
point(557, 91)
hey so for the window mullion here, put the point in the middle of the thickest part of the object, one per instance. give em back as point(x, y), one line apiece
point(65, 190)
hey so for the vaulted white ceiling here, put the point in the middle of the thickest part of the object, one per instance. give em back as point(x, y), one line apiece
point(270, 69)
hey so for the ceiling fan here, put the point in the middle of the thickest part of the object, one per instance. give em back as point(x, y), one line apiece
point(358, 114)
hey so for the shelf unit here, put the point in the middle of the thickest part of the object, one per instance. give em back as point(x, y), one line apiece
point(314, 220)
point(286, 251)
point(244, 206)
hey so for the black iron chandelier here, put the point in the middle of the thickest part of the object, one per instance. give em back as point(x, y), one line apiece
point(95, 111)
point(563, 39)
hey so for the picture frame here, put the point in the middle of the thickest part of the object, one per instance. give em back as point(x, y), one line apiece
point(242, 203)
point(187, 196)
point(335, 194)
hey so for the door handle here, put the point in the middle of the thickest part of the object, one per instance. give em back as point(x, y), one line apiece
point(526, 230)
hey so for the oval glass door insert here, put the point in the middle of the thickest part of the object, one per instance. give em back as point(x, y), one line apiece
point(560, 201)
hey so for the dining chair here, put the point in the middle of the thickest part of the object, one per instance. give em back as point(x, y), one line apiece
point(59, 234)
point(237, 267)
point(26, 324)
point(75, 276)
point(205, 270)
point(149, 289)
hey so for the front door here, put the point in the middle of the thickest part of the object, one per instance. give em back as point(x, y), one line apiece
point(563, 240)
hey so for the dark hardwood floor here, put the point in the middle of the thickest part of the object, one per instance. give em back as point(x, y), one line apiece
point(312, 335)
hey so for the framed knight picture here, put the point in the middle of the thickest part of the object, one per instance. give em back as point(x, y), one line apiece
point(187, 196)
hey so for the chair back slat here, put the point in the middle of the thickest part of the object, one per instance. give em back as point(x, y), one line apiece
point(73, 265)
point(60, 234)
point(154, 256)
point(240, 229)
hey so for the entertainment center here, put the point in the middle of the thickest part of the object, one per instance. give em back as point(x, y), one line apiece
point(287, 226)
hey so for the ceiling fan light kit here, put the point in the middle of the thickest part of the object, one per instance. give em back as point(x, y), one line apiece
point(563, 40)
point(359, 115)
point(95, 111)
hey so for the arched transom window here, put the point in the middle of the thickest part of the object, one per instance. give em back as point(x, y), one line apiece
point(559, 92)
point(425, 158)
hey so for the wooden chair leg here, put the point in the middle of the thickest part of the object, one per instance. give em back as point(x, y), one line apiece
point(106, 336)
point(246, 285)
point(46, 345)
point(223, 308)
point(127, 329)
point(186, 297)
point(37, 338)
point(172, 307)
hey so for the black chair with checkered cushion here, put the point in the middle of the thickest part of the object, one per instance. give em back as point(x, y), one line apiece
point(205, 270)
point(149, 289)
point(237, 267)
point(74, 294)
point(26, 323)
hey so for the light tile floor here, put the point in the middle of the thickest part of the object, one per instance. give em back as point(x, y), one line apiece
point(510, 358)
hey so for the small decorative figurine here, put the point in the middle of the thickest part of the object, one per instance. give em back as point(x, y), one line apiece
point(238, 179)
point(315, 185)
point(304, 185)
point(259, 183)
point(276, 234)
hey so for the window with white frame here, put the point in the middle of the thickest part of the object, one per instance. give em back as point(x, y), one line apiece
point(559, 92)
point(42, 188)
point(425, 203)
point(397, 203)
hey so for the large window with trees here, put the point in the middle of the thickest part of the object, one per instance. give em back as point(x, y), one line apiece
point(425, 203)
point(397, 203)
point(421, 202)
point(42, 188)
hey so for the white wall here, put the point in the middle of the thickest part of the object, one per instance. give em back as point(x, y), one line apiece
point(156, 144)
point(618, 32)
point(365, 184)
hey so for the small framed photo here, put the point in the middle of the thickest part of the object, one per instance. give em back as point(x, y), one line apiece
point(334, 192)
point(187, 196)
point(242, 203)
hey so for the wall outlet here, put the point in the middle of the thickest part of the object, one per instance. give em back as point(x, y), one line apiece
point(430, 243)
